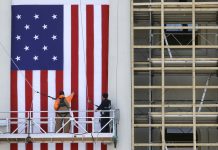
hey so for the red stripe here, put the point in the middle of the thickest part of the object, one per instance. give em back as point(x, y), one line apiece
point(59, 87)
point(13, 146)
point(74, 63)
point(29, 146)
point(28, 98)
point(105, 30)
point(28, 90)
point(44, 102)
point(90, 65)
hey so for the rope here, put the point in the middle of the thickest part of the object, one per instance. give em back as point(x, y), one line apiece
point(83, 43)
point(117, 49)
point(4, 49)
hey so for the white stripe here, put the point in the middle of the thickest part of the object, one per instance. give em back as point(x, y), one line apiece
point(82, 67)
point(21, 102)
point(36, 105)
point(36, 100)
point(51, 146)
point(36, 146)
point(21, 146)
point(66, 146)
point(97, 66)
point(51, 114)
point(58, 2)
point(67, 49)
point(67, 56)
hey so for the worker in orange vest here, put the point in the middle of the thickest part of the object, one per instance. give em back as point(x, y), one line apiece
point(62, 106)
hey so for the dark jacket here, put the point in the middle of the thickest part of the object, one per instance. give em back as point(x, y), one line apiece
point(105, 105)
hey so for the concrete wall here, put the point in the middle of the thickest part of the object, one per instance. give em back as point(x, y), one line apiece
point(5, 36)
point(119, 66)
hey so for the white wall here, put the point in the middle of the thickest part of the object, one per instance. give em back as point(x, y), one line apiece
point(120, 69)
point(5, 35)
point(119, 66)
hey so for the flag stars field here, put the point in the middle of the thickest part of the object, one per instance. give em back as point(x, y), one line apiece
point(37, 36)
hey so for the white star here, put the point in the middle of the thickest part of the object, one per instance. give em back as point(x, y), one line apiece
point(54, 16)
point(27, 48)
point(36, 58)
point(45, 26)
point(54, 58)
point(36, 37)
point(17, 58)
point(27, 26)
point(36, 16)
point(18, 37)
point(54, 37)
point(18, 16)
point(45, 48)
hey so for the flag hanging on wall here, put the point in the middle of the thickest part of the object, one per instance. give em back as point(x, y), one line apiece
point(58, 45)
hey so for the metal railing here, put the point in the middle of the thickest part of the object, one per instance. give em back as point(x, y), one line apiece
point(43, 122)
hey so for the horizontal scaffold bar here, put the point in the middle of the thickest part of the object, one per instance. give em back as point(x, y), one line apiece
point(174, 27)
point(53, 137)
point(177, 46)
point(175, 144)
point(175, 87)
point(173, 125)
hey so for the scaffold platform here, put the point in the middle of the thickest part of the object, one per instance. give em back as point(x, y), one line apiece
point(29, 127)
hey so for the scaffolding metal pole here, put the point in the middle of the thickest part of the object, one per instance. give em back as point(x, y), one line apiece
point(204, 93)
point(150, 81)
point(168, 49)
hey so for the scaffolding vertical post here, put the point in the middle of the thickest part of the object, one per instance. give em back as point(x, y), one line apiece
point(193, 75)
point(150, 81)
point(162, 78)
point(133, 76)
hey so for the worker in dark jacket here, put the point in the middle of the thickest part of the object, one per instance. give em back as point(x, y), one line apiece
point(105, 105)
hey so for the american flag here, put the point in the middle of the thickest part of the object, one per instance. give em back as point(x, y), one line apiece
point(58, 45)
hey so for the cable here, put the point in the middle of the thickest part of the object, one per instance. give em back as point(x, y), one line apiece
point(4, 49)
point(26, 80)
point(87, 90)
point(83, 43)
point(117, 58)
point(43, 94)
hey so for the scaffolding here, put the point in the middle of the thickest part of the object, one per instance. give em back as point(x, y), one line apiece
point(174, 74)
point(31, 126)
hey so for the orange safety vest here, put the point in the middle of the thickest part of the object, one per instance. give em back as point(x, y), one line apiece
point(57, 101)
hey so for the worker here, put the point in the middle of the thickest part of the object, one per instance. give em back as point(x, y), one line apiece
point(62, 103)
point(105, 106)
